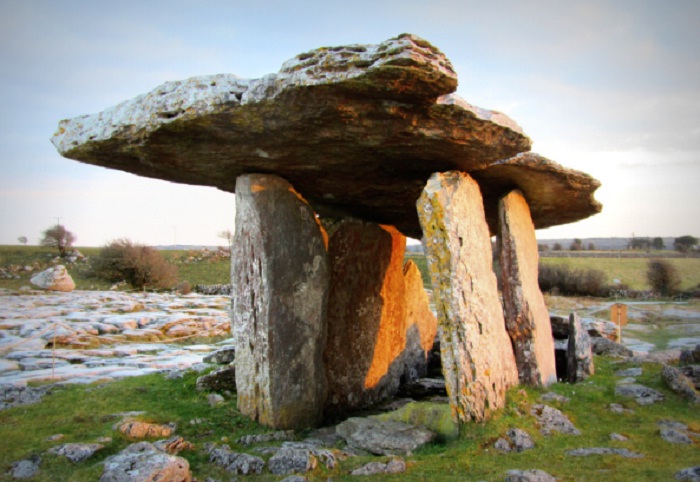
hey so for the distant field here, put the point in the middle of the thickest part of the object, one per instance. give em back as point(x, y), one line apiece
point(214, 270)
point(631, 271)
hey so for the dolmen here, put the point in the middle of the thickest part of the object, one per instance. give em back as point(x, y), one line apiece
point(334, 161)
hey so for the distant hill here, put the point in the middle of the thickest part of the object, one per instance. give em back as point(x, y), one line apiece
point(603, 244)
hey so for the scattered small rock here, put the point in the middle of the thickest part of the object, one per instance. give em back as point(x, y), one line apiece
point(529, 476)
point(54, 279)
point(690, 357)
point(503, 445)
point(14, 396)
point(605, 451)
point(618, 438)
point(554, 397)
point(142, 461)
point(25, 469)
point(383, 437)
point(295, 478)
point(617, 408)
point(289, 460)
point(283, 435)
point(221, 379)
point(55, 438)
point(603, 346)
point(424, 388)
point(630, 372)
point(234, 462)
point(642, 395)
point(394, 466)
point(140, 430)
point(552, 420)
point(691, 474)
point(215, 399)
point(76, 452)
point(675, 436)
point(174, 445)
point(680, 383)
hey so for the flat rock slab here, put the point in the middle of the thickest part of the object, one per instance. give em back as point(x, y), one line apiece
point(605, 451)
point(76, 452)
point(356, 129)
point(142, 461)
point(383, 437)
point(642, 395)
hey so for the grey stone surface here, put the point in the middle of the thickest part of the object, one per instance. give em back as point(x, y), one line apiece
point(219, 380)
point(12, 395)
point(554, 397)
point(674, 436)
point(584, 452)
point(25, 469)
point(642, 395)
point(526, 315)
point(394, 466)
point(266, 437)
point(234, 462)
point(142, 462)
point(383, 437)
point(629, 372)
point(289, 460)
point(534, 475)
point(366, 316)
point(603, 346)
point(222, 356)
point(54, 279)
point(477, 355)
point(76, 452)
point(521, 439)
point(579, 354)
point(280, 291)
point(679, 383)
point(690, 474)
point(552, 420)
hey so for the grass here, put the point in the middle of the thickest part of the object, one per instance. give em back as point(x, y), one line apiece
point(24, 432)
point(632, 271)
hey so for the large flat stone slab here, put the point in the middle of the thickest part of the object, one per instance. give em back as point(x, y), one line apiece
point(366, 316)
point(279, 277)
point(527, 318)
point(356, 129)
point(477, 356)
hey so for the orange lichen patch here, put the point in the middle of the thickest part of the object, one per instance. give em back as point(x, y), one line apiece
point(391, 337)
point(256, 188)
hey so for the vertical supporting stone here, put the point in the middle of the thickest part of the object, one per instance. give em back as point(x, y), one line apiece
point(527, 318)
point(421, 324)
point(477, 355)
point(279, 276)
point(580, 352)
point(366, 316)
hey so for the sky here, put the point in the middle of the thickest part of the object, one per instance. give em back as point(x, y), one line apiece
point(611, 88)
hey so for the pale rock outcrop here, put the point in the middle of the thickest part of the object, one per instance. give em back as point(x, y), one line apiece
point(54, 279)
point(527, 318)
point(278, 304)
point(383, 437)
point(580, 353)
point(477, 356)
point(142, 461)
point(421, 325)
point(366, 316)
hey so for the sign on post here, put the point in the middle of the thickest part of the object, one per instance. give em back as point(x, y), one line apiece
point(618, 315)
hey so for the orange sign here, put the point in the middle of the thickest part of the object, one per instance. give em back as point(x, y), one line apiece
point(618, 314)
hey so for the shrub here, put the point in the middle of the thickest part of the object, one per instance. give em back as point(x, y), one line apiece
point(141, 266)
point(560, 279)
point(663, 277)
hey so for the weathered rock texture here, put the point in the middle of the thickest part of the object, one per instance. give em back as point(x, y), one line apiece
point(54, 279)
point(527, 318)
point(421, 325)
point(142, 461)
point(357, 130)
point(555, 194)
point(477, 356)
point(279, 275)
point(367, 315)
point(580, 352)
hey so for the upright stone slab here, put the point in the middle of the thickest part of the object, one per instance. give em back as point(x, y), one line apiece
point(279, 277)
point(527, 318)
point(580, 353)
point(421, 325)
point(477, 355)
point(366, 316)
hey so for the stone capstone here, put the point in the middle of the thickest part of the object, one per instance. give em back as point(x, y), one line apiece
point(280, 275)
point(357, 129)
point(367, 315)
point(54, 279)
point(383, 437)
point(142, 462)
point(526, 315)
point(580, 354)
point(477, 355)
